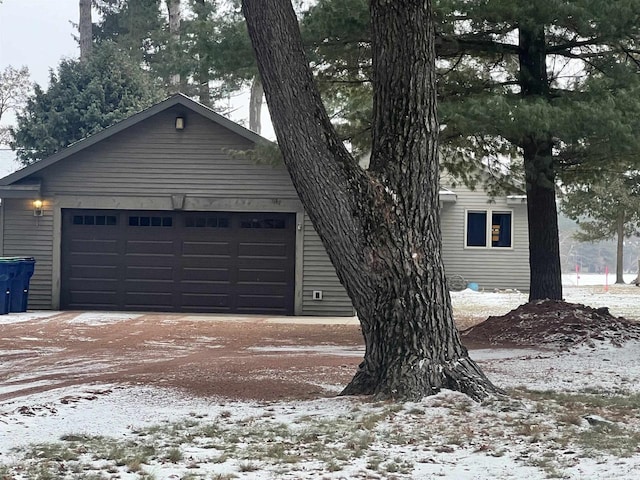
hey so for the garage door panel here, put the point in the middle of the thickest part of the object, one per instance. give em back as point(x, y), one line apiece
point(206, 275)
point(147, 272)
point(178, 261)
point(92, 299)
point(262, 250)
point(91, 245)
point(211, 301)
point(90, 260)
point(150, 247)
point(262, 276)
point(81, 273)
point(216, 249)
point(253, 304)
point(148, 300)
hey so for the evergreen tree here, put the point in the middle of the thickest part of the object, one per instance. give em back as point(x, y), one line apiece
point(536, 81)
point(606, 207)
point(83, 98)
point(380, 227)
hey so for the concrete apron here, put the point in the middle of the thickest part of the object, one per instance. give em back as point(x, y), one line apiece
point(79, 316)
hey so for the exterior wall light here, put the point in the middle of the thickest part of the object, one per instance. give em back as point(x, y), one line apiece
point(37, 208)
point(179, 123)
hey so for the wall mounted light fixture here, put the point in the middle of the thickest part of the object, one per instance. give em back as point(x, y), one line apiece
point(179, 123)
point(37, 208)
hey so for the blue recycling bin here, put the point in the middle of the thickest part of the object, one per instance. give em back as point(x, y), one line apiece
point(19, 286)
point(8, 270)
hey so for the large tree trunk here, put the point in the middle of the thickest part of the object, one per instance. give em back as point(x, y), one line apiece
point(381, 228)
point(85, 28)
point(175, 16)
point(202, 72)
point(544, 246)
point(620, 220)
point(255, 104)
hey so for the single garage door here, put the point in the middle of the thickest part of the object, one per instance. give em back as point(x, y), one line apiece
point(216, 262)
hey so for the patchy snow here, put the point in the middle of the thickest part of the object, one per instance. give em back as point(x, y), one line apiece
point(622, 300)
point(27, 317)
point(570, 414)
point(315, 349)
point(101, 318)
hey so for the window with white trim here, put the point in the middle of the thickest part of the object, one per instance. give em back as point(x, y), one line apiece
point(480, 233)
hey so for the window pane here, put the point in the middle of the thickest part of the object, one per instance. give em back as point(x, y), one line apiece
point(476, 229)
point(501, 230)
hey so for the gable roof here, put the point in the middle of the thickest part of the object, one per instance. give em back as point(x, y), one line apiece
point(177, 99)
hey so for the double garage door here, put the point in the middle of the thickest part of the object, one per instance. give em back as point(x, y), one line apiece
point(217, 262)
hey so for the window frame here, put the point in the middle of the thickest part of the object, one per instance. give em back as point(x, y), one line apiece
point(489, 212)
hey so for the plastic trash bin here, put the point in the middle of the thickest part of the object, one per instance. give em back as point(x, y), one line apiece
point(19, 286)
point(8, 270)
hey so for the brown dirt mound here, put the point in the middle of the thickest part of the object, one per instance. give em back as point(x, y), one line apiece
point(553, 323)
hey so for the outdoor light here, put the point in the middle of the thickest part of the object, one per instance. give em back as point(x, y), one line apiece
point(37, 208)
point(179, 123)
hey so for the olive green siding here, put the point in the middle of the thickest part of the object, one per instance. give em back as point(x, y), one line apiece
point(320, 275)
point(141, 167)
point(25, 235)
point(490, 268)
point(148, 165)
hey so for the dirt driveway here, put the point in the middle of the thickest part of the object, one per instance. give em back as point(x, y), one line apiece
point(241, 357)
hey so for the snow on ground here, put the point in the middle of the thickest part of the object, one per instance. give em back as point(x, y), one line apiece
point(570, 414)
point(622, 300)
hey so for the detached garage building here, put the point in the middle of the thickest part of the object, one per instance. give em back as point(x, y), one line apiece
point(157, 213)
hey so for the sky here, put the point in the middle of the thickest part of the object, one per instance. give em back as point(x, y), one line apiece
point(38, 34)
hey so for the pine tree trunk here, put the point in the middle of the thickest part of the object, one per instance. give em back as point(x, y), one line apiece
point(255, 104)
point(544, 247)
point(85, 28)
point(620, 248)
point(202, 69)
point(173, 9)
point(381, 227)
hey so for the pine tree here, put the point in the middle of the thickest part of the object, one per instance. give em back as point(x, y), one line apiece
point(606, 207)
point(380, 227)
point(531, 80)
point(82, 98)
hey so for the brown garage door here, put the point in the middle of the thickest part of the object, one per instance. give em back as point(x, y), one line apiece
point(216, 262)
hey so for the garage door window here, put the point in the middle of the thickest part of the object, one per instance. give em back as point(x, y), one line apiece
point(107, 220)
point(150, 221)
point(207, 222)
point(278, 223)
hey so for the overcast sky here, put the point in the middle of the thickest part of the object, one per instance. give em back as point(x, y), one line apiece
point(37, 33)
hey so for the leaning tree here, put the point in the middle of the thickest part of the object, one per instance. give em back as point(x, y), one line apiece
point(380, 227)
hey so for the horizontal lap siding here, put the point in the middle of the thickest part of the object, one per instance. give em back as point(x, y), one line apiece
point(154, 159)
point(490, 268)
point(319, 274)
point(28, 236)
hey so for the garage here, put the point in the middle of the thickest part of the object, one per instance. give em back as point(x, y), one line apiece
point(215, 262)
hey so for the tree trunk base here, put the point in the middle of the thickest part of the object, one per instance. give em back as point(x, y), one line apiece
point(461, 375)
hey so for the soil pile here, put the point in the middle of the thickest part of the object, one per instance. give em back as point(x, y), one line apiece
point(554, 324)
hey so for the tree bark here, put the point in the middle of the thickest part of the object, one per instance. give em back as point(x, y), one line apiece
point(620, 221)
point(255, 104)
point(540, 177)
point(202, 72)
point(381, 227)
point(85, 28)
point(173, 9)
